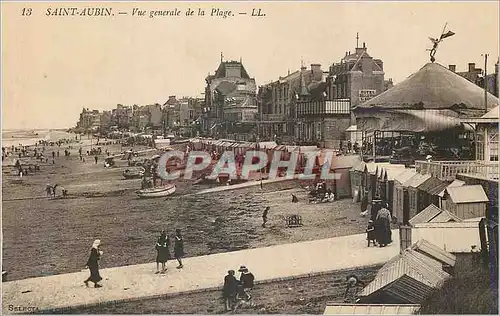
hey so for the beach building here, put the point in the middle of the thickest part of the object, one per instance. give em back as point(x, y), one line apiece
point(422, 112)
point(407, 278)
point(230, 98)
point(371, 309)
point(467, 201)
point(406, 201)
point(433, 214)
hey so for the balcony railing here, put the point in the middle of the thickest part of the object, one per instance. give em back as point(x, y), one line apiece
point(272, 117)
point(328, 107)
point(447, 170)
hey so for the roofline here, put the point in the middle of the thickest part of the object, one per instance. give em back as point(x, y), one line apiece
point(480, 120)
point(347, 304)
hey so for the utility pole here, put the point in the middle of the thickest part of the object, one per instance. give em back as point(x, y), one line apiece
point(257, 139)
point(485, 83)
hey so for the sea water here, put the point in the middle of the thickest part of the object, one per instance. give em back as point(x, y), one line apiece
point(30, 137)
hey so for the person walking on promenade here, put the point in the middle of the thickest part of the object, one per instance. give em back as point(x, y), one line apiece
point(179, 248)
point(162, 252)
point(383, 225)
point(95, 158)
point(264, 217)
point(246, 283)
point(230, 289)
point(93, 264)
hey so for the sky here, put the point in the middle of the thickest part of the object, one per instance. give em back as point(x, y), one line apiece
point(53, 66)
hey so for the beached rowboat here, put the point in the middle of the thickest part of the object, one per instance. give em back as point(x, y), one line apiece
point(156, 192)
point(133, 173)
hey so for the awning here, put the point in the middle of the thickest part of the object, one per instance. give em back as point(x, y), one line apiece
point(417, 121)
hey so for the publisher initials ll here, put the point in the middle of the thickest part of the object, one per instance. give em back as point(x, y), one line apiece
point(257, 12)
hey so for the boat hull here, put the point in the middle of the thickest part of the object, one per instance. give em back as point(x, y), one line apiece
point(157, 192)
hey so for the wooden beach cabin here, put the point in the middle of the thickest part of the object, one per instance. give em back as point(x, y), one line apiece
point(342, 186)
point(370, 309)
point(467, 201)
point(400, 194)
point(433, 214)
point(412, 188)
point(429, 192)
point(362, 176)
point(406, 279)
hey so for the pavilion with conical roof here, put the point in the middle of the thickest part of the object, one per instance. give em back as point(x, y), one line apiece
point(430, 103)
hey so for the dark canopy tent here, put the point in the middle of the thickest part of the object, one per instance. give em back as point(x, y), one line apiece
point(429, 102)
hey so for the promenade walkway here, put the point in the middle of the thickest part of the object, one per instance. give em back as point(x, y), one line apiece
point(199, 273)
point(251, 183)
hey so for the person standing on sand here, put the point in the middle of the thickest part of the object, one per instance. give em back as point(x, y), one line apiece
point(264, 217)
point(230, 289)
point(95, 158)
point(93, 264)
point(246, 283)
point(163, 253)
point(179, 248)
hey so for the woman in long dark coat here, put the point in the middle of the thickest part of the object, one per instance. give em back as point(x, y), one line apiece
point(179, 247)
point(383, 221)
point(162, 252)
point(93, 264)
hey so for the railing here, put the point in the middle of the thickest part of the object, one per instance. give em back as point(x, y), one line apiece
point(447, 170)
point(273, 117)
point(328, 107)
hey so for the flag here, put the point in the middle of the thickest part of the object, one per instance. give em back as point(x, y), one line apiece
point(447, 34)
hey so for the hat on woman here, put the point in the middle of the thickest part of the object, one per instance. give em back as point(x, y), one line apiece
point(243, 269)
point(96, 243)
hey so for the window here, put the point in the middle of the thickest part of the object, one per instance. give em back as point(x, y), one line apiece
point(493, 139)
point(480, 145)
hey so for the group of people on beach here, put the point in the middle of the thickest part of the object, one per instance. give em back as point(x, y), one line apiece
point(235, 289)
point(379, 227)
point(162, 256)
point(163, 253)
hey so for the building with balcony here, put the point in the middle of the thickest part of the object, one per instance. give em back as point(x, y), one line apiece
point(183, 116)
point(90, 120)
point(278, 99)
point(122, 115)
point(147, 117)
point(357, 77)
point(171, 112)
point(229, 96)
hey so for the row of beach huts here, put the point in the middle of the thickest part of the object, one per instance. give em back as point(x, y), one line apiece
point(442, 216)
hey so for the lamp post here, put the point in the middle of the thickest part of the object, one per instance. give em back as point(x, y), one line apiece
point(485, 82)
point(257, 139)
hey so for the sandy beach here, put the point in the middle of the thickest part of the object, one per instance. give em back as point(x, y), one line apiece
point(50, 236)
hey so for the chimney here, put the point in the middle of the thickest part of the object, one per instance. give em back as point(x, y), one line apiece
point(452, 67)
point(315, 68)
point(472, 67)
point(345, 54)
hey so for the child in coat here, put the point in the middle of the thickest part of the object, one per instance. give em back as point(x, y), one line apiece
point(370, 233)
